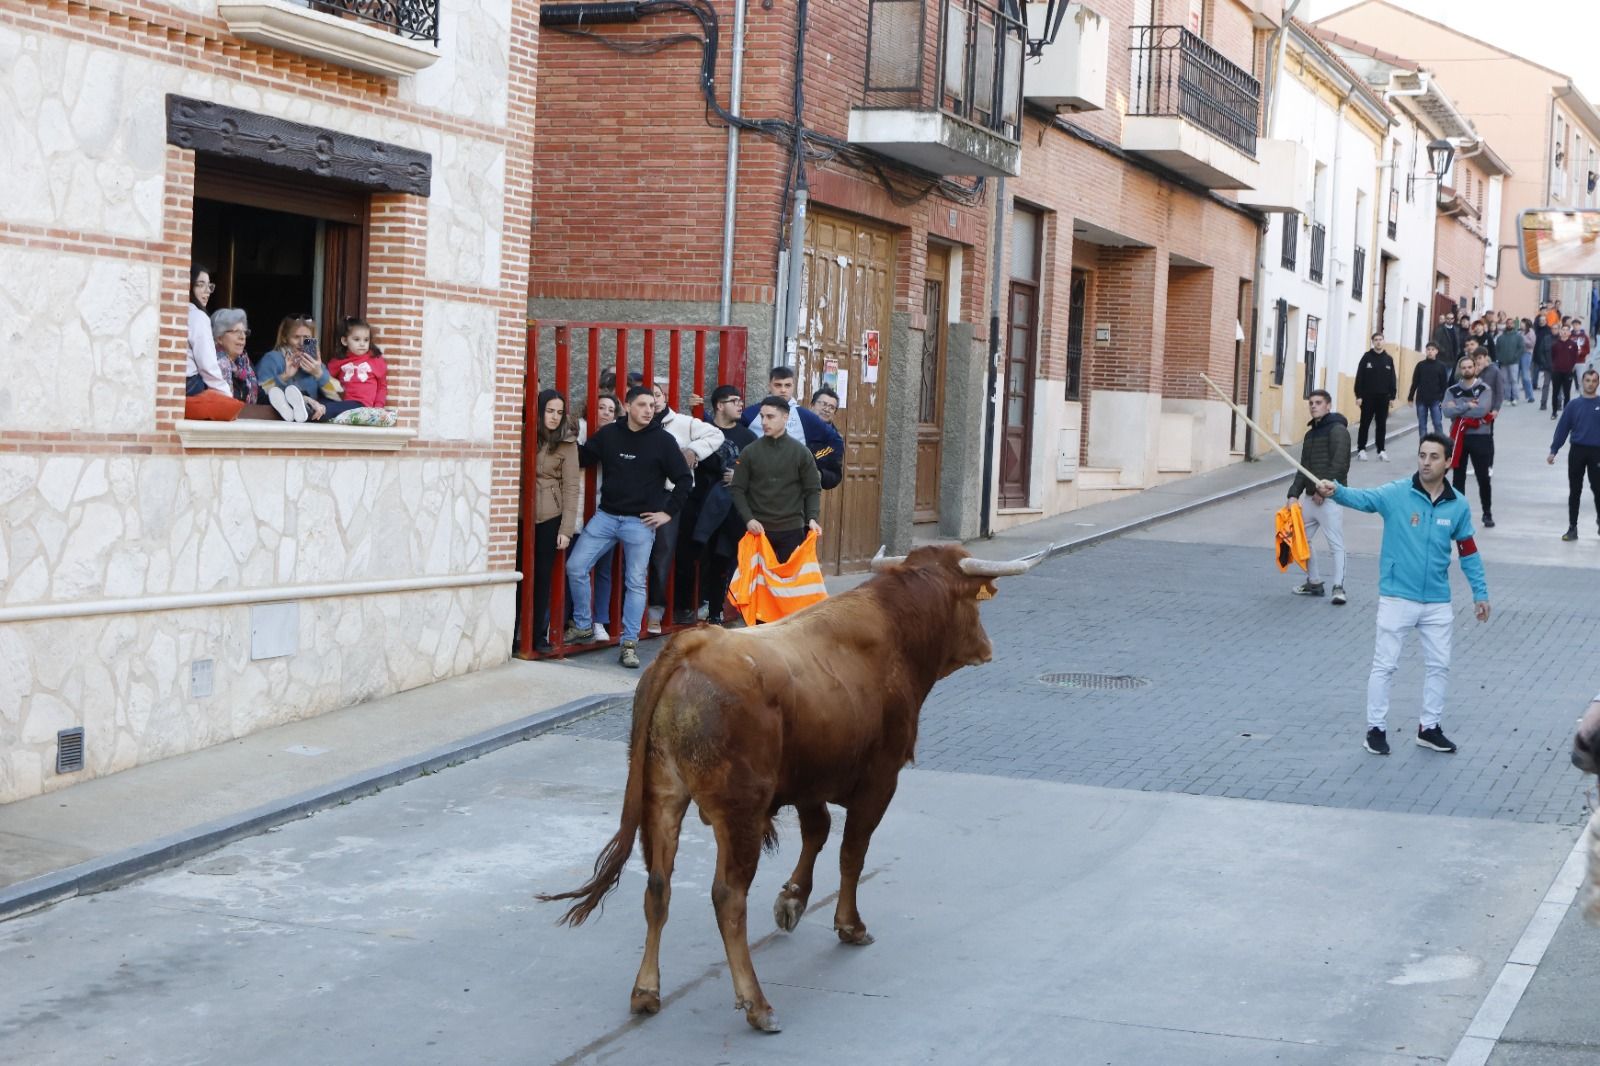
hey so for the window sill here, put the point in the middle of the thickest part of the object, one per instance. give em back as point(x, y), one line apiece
point(292, 27)
point(255, 433)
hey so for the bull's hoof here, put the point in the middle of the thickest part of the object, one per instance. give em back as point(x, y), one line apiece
point(787, 911)
point(763, 1018)
point(856, 936)
point(645, 1001)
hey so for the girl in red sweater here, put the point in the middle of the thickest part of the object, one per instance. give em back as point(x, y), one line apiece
point(361, 371)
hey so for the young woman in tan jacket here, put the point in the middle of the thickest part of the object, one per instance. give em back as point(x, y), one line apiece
point(556, 502)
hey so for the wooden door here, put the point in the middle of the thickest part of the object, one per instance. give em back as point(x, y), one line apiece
point(930, 396)
point(844, 315)
point(1016, 447)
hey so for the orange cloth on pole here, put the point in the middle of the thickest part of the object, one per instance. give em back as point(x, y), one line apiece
point(764, 590)
point(1291, 546)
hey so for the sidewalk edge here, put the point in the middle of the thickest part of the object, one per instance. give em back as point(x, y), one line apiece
point(117, 868)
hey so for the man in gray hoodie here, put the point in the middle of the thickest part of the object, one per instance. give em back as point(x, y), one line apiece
point(1469, 405)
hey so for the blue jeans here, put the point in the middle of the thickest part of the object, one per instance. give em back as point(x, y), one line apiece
point(1527, 376)
point(1424, 412)
point(602, 587)
point(602, 533)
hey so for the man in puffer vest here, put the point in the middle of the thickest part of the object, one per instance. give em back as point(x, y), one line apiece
point(1326, 453)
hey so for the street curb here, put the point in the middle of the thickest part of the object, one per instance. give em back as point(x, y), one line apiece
point(109, 871)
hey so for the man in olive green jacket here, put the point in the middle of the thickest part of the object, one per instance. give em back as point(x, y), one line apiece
point(1326, 453)
point(776, 488)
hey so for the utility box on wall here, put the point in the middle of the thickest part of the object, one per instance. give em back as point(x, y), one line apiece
point(1070, 73)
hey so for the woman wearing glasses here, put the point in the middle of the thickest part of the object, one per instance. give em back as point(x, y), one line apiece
point(208, 392)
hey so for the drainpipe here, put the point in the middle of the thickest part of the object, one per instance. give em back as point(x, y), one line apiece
point(992, 376)
point(1275, 49)
point(797, 269)
point(731, 179)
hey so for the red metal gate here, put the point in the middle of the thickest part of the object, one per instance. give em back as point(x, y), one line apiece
point(623, 348)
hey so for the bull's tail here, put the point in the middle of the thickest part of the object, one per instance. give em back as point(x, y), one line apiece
point(608, 865)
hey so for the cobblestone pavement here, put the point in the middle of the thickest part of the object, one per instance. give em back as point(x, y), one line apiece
point(1257, 694)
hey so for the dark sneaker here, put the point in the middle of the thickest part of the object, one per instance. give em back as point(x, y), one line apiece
point(684, 618)
point(1338, 595)
point(630, 656)
point(1434, 738)
point(1488, 520)
point(1570, 534)
point(1377, 742)
point(574, 635)
point(1308, 589)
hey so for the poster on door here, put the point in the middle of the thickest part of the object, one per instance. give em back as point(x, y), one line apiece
point(869, 357)
point(830, 374)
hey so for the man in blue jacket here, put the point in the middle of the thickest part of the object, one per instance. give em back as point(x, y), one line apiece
point(1580, 419)
point(1422, 518)
point(805, 426)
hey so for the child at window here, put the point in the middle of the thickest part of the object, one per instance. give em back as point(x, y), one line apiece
point(361, 371)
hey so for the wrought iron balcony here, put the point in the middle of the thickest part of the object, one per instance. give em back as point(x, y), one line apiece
point(414, 19)
point(953, 108)
point(1177, 73)
point(1358, 273)
point(1319, 245)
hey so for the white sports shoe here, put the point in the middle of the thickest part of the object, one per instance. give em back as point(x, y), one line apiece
point(1383, 457)
point(600, 634)
point(1361, 456)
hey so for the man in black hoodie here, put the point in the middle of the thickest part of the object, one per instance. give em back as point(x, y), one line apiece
point(1429, 379)
point(1326, 453)
point(638, 460)
point(1376, 389)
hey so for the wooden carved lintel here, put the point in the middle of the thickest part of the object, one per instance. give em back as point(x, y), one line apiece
point(229, 133)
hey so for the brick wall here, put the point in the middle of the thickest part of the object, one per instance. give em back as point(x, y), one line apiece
point(1458, 254)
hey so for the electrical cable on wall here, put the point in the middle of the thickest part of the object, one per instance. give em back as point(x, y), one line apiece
point(805, 145)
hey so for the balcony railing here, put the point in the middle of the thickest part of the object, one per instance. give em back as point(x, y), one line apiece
point(974, 73)
point(415, 19)
point(1358, 274)
point(1177, 73)
point(1291, 242)
point(1319, 244)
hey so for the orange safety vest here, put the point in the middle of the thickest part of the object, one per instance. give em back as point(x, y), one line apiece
point(1290, 544)
point(765, 591)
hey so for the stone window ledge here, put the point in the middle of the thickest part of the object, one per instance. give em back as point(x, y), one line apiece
point(260, 433)
point(292, 27)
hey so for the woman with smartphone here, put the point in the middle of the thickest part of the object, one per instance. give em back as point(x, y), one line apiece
point(296, 382)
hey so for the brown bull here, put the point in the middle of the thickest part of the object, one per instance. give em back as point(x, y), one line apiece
point(819, 708)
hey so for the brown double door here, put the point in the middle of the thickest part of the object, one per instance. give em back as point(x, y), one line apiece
point(930, 396)
point(845, 324)
point(1016, 445)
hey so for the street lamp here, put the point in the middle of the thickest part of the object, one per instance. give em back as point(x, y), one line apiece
point(1054, 12)
point(1440, 154)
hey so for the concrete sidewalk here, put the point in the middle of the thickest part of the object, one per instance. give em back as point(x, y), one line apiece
point(108, 830)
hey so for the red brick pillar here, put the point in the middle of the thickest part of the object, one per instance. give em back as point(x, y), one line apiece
point(396, 262)
point(1130, 297)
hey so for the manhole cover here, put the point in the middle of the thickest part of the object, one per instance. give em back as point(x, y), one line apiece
point(1093, 680)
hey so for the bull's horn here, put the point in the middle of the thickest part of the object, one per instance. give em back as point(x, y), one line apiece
point(1008, 568)
point(881, 562)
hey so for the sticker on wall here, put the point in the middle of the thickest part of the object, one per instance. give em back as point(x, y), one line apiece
point(869, 357)
point(830, 374)
point(843, 389)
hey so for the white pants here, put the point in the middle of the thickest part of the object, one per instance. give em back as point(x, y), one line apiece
point(1328, 517)
point(1397, 617)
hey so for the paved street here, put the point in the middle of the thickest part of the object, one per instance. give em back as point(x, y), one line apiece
point(1206, 868)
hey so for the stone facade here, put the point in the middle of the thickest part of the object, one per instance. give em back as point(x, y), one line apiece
point(113, 518)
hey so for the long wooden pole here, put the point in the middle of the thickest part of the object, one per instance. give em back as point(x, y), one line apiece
point(1315, 480)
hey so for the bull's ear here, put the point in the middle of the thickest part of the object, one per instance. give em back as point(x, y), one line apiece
point(986, 591)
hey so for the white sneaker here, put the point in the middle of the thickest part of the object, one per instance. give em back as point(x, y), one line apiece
point(652, 623)
point(1361, 456)
point(1383, 457)
point(297, 403)
point(280, 403)
point(600, 634)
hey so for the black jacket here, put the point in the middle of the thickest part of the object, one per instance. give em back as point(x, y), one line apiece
point(1448, 342)
point(1429, 379)
point(637, 467)
point(1325, 452)
point(1375, 378)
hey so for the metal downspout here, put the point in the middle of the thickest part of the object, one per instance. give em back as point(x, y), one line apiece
point(731, 180)
point(992, 376)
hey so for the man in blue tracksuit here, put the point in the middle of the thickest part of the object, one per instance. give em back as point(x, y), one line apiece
point(1581, 419)
point(1422, 518)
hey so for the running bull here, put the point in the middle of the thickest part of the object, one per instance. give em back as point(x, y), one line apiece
point(819, 708)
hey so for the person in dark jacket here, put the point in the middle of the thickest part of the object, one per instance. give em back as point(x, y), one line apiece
point(1429, 379)
point(1469, 405)
point(1446, 339)
point(1580, 419)
point(1376, 389)
point(1508, 358)
point(1326, 453)
point(823, 441)
point(720, 527)
point(1566, 355)
point(1544, 339)
point(639, 461)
